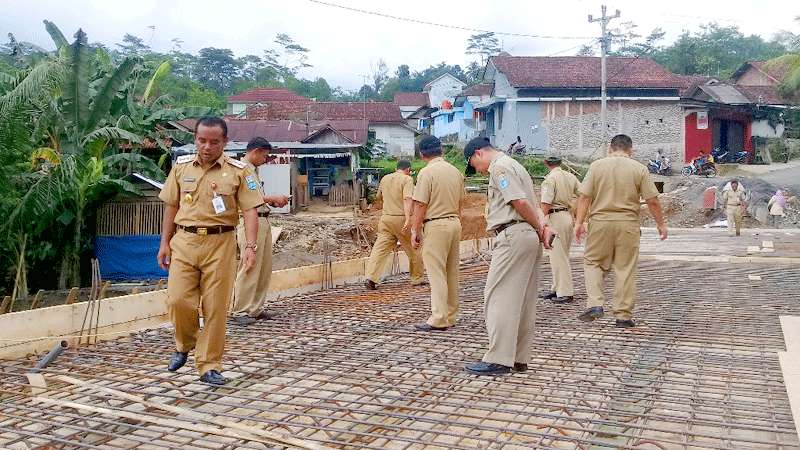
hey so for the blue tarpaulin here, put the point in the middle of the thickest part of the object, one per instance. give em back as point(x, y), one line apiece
point(128, 257)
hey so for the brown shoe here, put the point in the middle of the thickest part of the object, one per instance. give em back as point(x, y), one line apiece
point(520, 367)
point(370, 285)
point(426, 327)
point(264, 315)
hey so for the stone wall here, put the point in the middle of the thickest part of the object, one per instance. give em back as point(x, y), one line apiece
point(573, 128)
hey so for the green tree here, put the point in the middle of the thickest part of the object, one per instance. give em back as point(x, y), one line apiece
point(216, 68)
point(132, 45)
point(484, 45)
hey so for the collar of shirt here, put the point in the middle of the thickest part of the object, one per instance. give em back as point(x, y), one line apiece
point(219, 161)
point(496, 157)
point(435, 160)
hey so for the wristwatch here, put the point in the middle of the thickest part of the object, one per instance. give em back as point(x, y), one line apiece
point(254, 246)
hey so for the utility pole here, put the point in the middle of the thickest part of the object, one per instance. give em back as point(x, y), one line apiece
point(604, 41)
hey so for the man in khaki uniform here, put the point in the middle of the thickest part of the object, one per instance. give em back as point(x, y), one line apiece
point(395, 190)
point(202, 196)
point(735, 204)
point(610, 194)
point(250, 291)
point(560, 191)
point(437, 211)
point(514, 219)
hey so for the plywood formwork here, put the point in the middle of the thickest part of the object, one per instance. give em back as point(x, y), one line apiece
point(342, 368)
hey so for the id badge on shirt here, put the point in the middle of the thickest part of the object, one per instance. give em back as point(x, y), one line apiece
point(218, 203)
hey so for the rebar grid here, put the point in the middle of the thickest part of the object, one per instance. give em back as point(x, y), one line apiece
point(344, 369)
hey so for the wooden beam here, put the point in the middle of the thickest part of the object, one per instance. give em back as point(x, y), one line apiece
point(71, 296)
point(37, 299)
point(6, 303)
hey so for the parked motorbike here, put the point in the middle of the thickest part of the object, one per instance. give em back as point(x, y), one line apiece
point(655, 167)
point(722, 156)
point(706, 170)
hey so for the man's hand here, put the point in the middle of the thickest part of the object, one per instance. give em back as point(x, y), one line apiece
point(662, 231)
point(580, 231)
point(248, 259)
point(278, 201)
point(416, 239)
point(164, 254)
point(547, 232)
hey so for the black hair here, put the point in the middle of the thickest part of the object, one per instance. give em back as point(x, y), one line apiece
point(212, 121)
point(430, 146)
point(403, 164)
point(621, 142)
point(258, 142)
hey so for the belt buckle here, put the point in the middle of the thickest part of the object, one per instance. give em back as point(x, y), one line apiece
point(202, 231)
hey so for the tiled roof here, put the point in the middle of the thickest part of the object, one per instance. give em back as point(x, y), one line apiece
point(583, 72)
point(266, 95)
point(243, 130)
point(776, 71)
point(373, 112)
point(767, 95)
point(692, 81)
point(478, 90)
point(411, 99)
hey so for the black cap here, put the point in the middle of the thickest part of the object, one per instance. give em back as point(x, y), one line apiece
point(553, 160)
point(472, 146)
point(429, 144)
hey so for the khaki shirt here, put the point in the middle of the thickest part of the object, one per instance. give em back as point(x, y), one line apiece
point(191, 189)
point(560, 189)
point(393, 189)
point(615, 185)
point(508, 181)
point(263, 208)
point(733, 198)
point(440, 186)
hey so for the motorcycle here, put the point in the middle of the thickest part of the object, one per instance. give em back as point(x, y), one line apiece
point(722, 156)
point(706, 170)
point(655, 167)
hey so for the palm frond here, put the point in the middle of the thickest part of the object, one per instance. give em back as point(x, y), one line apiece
point(56, 35)
point(161, 72)
point(136, 162)
point(111, 134)
point(179, 113)
point(76, 92)
point(33, 86)
point(112, 85)
point(45, 154)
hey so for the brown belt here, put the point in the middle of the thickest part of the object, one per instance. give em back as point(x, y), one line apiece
point(438, 218)
point(557, 210)
point(502, 227)
point(202, 231)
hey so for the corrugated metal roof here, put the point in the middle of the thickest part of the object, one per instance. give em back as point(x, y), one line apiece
point(725, 93)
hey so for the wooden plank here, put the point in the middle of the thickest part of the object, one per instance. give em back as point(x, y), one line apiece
point(6, 303)
point(71, 296)
point(104, 289)
point(37, 299)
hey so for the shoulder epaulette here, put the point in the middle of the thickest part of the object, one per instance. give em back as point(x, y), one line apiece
point(183, 159)
point(236, 163)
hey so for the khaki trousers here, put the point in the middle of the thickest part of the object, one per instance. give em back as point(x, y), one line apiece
point(440, 253)
point(734, 216)
point(390, 231)
point(251, 287)
point(612, 244)
point(511, 294)
point(201, 277)
point(563, 224)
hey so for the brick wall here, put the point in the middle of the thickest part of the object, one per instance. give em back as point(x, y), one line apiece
point(573, 128)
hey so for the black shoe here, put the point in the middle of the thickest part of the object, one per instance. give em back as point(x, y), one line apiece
point(213, 377)
point(425, 327)
point(244, 321)
point(264, 315)
point(591, 314)
point(625, 324)
point(370, 285)
point(484, 368)
point(564, 299)
point(520, 367)
point(177, 361)
point(549, 296)
point(421, 283)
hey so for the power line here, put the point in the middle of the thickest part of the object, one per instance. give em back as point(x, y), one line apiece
point(441, 25)
point(587, 43)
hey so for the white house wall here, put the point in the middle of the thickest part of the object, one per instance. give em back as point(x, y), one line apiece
point(443, 89)
point(762, 128)
point(399, 140)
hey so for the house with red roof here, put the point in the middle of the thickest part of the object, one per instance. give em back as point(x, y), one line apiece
point(415, 107)
point(552, 104)
point(238, 103)
point(735, 115)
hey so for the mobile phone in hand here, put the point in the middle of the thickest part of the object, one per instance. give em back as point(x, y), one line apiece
point(552, 238)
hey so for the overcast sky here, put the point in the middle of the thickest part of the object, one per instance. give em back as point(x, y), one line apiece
point(345, 44)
